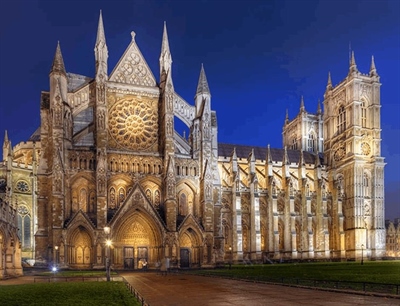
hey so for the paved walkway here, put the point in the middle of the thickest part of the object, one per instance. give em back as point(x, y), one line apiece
point(185, 289)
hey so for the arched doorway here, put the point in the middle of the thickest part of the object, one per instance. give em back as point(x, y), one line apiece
point(80, 248)
point(137, 240)
point(189, 249)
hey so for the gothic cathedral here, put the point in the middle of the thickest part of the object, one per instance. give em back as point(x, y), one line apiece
point(106, 155)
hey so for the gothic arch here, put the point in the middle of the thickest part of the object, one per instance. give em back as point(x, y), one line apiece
point(190, 242)
point(80, 247)
point(82, 188)
point(138, 230)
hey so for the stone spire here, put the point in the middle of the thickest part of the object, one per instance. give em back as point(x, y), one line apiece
point(5, 137)
point(58, 62)
point(353, 66)
point(202, 86)
point(165, 56)
point(6, 146)
point(287, 117)
point(372, 70)
point(101, 37)
point(319, 110)
point(285, 164)
point(285, 157)
point(234, 161)
point(269, 157)
point(302, 166)
point(302, 108)
point(252, 161)
point(268, 162)
point(101, 52)
point(329, 84)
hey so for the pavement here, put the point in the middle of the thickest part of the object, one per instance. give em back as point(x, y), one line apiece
point(177, 289)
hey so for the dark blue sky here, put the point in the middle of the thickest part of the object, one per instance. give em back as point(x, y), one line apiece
point(259, 57)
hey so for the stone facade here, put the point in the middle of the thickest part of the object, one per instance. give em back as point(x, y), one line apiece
point(15, 202)
point(107, 154)
point(393, 238)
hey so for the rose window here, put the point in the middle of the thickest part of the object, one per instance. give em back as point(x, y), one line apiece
point(22, 186)
point(133, 124)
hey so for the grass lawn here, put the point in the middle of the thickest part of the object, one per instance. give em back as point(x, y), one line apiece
point(387, 272)
point(79, 293)
point(76, 273)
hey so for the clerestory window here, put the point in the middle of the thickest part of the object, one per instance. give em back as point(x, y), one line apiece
point(363, 115)
point(311, 143)
point(341, 120)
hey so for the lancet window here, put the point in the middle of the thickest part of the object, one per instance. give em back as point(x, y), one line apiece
point(363, 114)
point(341, 120)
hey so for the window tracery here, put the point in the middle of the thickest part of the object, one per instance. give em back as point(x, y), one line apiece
point(341, 119)
point(121, 196)
point(311, 142)
point(24, 226)
point(363, 114)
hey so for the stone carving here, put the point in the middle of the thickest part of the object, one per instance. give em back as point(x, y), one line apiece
point(133, 123)
point(133, 69)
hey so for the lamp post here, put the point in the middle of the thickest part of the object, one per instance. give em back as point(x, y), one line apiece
point(107, 231)
point(230, 257)
point(56, 255)
point(362, 254)
point(54, 269)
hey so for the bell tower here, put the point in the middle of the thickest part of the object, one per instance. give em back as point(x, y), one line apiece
point(352, 146)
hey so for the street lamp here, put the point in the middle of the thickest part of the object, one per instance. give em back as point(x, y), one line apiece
point(56, 255)
point(362, 254)
point(54, 268)
point(107, 231)
point(230, 257)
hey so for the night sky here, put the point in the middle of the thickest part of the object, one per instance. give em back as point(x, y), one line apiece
point(260, 57)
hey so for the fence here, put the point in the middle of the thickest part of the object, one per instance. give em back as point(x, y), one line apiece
point(135, 293)
point(55, 279)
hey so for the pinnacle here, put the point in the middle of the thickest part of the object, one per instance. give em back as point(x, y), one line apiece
point(287, 116)
point(286, 157)
point(165, 43)
point(58, 62)
point(353, 66)
point(329, 84)
point(372, 70)
point(319, 107)
point(100, 31)
point(5, 136)
point(165, 56)
point(202, 86)
point(302, 108)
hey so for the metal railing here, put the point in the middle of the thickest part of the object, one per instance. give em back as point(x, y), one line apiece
point(59, 279)
point(135, 293)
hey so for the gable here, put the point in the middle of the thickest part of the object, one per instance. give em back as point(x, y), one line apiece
point(132, 68)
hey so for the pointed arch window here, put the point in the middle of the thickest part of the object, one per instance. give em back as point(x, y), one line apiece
point(311, 142)
point(148, 195)
point(157, 199)
point(182, 204)
point(121, 196)
point(294, 144)
point(363, 114)
point(24, 226)
point(341, 120)
point(112, 203)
